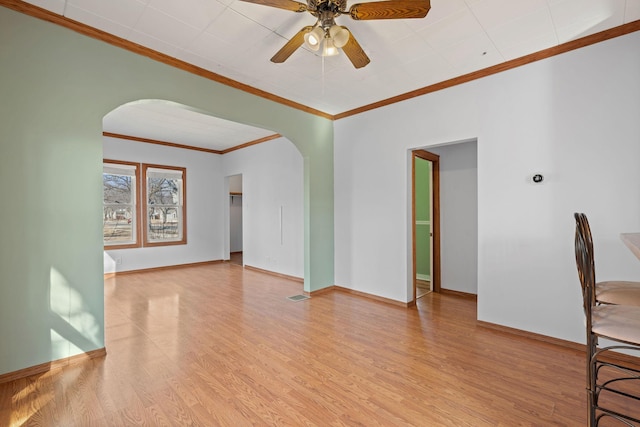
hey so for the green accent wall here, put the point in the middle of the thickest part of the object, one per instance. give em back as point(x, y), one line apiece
point(56, 86)
point(423, 213)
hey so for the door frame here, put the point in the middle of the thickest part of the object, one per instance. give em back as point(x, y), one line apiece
point(227, 214)
point(435, 219)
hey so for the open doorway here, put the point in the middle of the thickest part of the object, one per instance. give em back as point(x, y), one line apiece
point(235, 220)
point(458, 206)
point(425, 223)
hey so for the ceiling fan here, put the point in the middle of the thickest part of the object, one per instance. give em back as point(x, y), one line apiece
point(327, 37)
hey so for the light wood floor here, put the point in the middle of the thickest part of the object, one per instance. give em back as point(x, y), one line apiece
point(220, 345)
point(235, 258)
point(423, 287)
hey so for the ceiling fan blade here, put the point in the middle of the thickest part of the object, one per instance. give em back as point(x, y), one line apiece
point(392, 9)
point(291, 46)
point(281, 4)
point(355, 53)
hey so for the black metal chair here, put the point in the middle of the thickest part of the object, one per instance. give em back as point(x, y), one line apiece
point(607, 373)
point(613, 291)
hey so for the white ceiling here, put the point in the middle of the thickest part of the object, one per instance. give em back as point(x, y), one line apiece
point(236, 39)
point(175, 123)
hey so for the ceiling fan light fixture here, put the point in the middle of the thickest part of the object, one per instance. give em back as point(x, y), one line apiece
point(313, 39)
point(339, 35)
point(327, 37)
point(328, 47)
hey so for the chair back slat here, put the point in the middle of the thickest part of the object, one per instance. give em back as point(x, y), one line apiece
point(585, 263)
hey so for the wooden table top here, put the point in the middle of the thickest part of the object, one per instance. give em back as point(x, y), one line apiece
point(632, 240)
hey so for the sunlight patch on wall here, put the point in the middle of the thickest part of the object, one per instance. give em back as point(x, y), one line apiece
point(109, 263)
point(72, 324)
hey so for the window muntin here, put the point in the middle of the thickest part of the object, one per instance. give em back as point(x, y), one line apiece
point(120, 213)
point(164, 205)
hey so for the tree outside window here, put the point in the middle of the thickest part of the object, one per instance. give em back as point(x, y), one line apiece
point(162, 218)
point(164, 205)
point(120, 214)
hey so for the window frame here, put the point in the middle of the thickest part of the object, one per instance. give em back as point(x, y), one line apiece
point(145, 206)
point(135, 211)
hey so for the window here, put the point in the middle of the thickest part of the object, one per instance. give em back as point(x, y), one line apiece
point(158, 213)
point(120, 213)
point(164, 205)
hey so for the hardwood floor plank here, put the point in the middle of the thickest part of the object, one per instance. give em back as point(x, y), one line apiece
point(134, 414)
point(218, 345)
point(157, 416)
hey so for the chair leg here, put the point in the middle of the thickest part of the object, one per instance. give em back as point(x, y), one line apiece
point(592, 409)
point(592, 373)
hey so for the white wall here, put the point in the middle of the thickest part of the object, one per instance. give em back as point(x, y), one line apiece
point(573, 117)
point(235, 214)
point(205, 213)
point(272, 182)
point(272, 187)
point(235, 224)
point(458, 216)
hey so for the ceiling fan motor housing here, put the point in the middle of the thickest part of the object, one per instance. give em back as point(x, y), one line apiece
point(335, 7)
point(326, 11)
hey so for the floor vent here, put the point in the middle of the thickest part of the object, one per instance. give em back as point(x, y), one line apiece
point(298, 297)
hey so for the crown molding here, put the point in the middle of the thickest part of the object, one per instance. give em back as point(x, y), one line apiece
point(250, 143)
point(191, 147)
point(46, 15)
point(611, 33)
point(155, 141)
point(40, 13)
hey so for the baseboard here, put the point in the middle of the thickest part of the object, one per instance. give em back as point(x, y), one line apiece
point(164, 267)
point(336, 288)
point(320, 291)
point(618, 358)
point(425, 277)
point(369, 296)
point(459, 294)
point(273, 273)
point(532, 335)
point(50, 366)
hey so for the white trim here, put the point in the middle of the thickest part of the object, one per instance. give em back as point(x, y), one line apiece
point(426, 277)
point(159, 173)
point(423, 222)
point(119, 169)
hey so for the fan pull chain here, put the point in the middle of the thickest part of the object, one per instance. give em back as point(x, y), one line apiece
point(322, 75)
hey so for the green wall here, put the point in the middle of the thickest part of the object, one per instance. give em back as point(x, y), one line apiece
point(55, 87)
point(423, 213)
